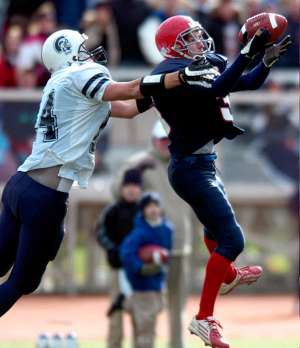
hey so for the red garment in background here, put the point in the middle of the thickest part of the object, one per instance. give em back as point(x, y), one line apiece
point(7, 74)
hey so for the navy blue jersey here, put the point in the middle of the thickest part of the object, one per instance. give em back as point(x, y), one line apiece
point(197, 115)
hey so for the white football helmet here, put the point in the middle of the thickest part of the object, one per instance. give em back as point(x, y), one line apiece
point(64, 47)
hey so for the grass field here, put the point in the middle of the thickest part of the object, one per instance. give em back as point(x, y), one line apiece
point(194, 343)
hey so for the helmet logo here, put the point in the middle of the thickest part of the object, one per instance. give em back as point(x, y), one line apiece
point(63, 45)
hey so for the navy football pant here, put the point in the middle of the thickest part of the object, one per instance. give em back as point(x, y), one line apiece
point(194, 180)
point(31, 231)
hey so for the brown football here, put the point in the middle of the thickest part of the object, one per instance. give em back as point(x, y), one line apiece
point(273, 22)
point(147, 253)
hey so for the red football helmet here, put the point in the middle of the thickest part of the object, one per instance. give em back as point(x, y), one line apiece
point(181, 36)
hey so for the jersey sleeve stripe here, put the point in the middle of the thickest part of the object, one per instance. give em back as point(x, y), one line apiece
point(98, 86)
point(89, 82)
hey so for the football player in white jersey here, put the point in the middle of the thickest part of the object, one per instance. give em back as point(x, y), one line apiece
point(77, 101)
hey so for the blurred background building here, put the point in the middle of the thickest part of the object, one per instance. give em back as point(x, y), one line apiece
point(260, 169)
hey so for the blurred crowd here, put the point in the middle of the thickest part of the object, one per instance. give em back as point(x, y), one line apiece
point(125, 28)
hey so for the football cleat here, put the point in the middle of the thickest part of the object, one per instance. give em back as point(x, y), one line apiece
point(210, 331)
point(245, 275)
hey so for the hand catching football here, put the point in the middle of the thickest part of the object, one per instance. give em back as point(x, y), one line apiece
point(274, 23)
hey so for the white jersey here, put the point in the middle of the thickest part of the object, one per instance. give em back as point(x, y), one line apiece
point(70, 118)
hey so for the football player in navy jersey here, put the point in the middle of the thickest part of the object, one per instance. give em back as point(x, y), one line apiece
point(77, 102)
point(199, 116)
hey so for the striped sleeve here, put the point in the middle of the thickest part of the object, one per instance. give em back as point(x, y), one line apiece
point(92, 81)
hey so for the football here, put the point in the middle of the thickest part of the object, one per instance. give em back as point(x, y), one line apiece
point(152, 253)
point(273, 22)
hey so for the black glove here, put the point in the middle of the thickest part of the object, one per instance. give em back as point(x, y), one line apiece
point(274, 52)
point(151, 269)
point(114, 258)
point(257, 44)
point(200, 72)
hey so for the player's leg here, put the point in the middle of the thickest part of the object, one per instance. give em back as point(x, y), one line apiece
point(9, 236)
point(41, 211)
point(193, 178)
point(34, 253)
point(211, 245)
point(235, 276)
point(9, 229)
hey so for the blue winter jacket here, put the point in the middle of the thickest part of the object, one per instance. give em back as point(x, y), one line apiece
point(144, 234)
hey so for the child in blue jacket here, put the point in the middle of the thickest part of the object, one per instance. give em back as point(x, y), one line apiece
point(146, 279)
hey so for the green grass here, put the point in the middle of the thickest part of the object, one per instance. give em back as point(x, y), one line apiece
point(193, 343)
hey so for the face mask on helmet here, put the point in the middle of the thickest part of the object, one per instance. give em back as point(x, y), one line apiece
point(98, 55)
point(194, 42)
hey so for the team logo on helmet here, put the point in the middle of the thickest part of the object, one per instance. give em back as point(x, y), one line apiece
point(63, 45)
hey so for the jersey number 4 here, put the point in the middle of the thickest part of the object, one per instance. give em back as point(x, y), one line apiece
point(48, 120)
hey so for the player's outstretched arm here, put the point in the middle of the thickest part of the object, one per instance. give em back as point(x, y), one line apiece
point(147, 86)
point(227, 81)
point(136, 89)
point(257, 76)
point(130, 108)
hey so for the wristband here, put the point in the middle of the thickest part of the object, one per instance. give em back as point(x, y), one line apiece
point(144, 104)
point(152, 85)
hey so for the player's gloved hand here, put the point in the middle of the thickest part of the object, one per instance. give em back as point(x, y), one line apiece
point(200, 72)
point(274, 52)
point(151, 269)
point(257, 44)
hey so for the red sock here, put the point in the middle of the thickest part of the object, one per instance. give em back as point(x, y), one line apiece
point(210, 244)
point(216, 270)
point(231, 273)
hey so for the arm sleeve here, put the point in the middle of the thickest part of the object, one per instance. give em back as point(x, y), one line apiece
point(225, 83)
point(104, 225)
point(92, 80)
point(253, 79)
point(129, 252)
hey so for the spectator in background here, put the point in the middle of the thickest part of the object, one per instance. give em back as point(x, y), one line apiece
point(30, 71)
point(202, 12)
point(129, 15)
point(10, 50)
point(100, 26)
point(115, 222)
point(250, 9)
point(7, 163)
point(146, 279)
point(148, 28)
point(224, 29)
point(155, 162)
point(293, 16)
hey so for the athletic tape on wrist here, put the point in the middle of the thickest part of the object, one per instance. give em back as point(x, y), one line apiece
point(152, 85)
